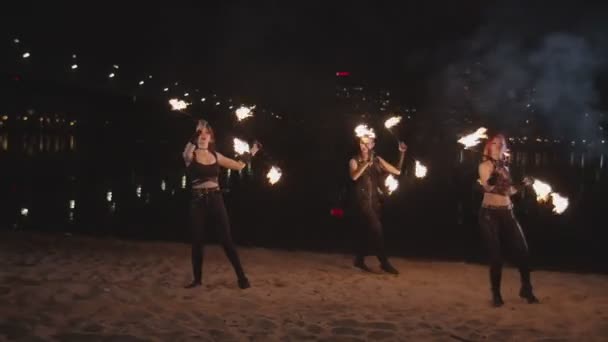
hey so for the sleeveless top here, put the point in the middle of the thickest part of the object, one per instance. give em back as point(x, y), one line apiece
point(504, 181)
point(201, 173)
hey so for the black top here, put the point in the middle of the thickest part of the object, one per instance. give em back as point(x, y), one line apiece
point(200, 173)
point(503, 181)
point(369, 183)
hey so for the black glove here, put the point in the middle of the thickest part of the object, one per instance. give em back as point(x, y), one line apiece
point(194, 138)
point(401, 160)
point(493, 179)
point(245, 157)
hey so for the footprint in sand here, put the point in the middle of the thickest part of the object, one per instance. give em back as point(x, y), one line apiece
point(380, 335)
point(265, 324)
point(75, 337)
point(346, 331)
point(13, 330)
point(381, 326)
point(314, 329)
point(298, 335)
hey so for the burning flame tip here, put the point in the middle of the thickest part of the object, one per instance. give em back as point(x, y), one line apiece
point(177, 104)
point(274, 175)
point(473, 139)
point(391, 184)
point(421, 170)
point(364, 131)
point(392, 122)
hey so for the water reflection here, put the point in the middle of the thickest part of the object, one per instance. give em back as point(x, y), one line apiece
point(4, 139)
point(571, 158)
point(41, 143)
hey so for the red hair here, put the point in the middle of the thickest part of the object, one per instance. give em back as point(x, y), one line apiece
point(486, 148)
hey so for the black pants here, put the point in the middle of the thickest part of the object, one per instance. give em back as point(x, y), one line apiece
point(500, 229)
point(205, 209)
point(370, 233)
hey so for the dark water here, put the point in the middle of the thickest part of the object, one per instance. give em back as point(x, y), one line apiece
point(58, 182)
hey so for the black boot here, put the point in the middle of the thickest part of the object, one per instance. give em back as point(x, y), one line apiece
point(244, 283)
point(526, 293)
point(497, 299)
point(387, 267)
point(360, 264)
point(193, 284)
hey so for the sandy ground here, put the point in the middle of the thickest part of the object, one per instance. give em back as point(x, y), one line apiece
point(67, 288)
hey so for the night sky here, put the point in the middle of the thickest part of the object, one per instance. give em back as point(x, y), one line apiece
point(282, 52)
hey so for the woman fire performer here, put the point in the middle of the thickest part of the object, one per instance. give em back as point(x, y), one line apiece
point(366, 170)
point(203, 167)
point(497, 220)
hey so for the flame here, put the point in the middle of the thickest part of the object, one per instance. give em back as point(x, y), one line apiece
point(392, 122)
point(421, 170)
point(363, 131)
point(473, 139)
point(178, 104)
point(560, 203)
point(243, 112)
point(542, 190)
point(391, 184)
point(274, 175)
point(240, 146)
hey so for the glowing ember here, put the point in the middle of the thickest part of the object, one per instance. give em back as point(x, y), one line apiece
point(391, 184)
point(473, 139)
point(392, 122)
point(363, 131)
point(243, 112)
point(178, 104)
point(274, 175)
point(542, 190)
point(560, 204)
point(421, 170)
point(240, 146)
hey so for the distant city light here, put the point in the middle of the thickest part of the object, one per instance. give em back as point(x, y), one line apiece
point(342, 73)
point(74, 66)
point(166, 90)
point(186, 94)
point(203, 99)
point(111, 75)
point(72, 204)
point(74, 56)
point(115, 66)
point(24, 211)
point(141, 82)
point(16, 41)
point(26, 55)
